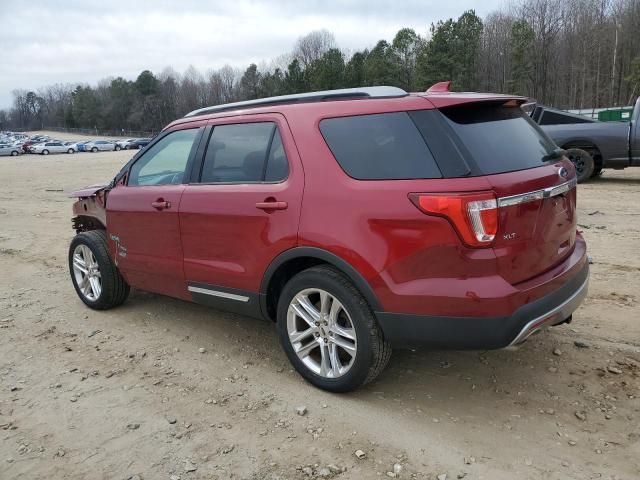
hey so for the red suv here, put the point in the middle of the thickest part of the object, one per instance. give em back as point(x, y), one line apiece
point(355, 219)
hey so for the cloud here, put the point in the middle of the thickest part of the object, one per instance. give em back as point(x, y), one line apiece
point(75, 41)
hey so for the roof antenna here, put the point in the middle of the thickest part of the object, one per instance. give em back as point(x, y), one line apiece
point(440, 87)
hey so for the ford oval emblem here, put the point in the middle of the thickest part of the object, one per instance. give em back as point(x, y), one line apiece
point(563, 172)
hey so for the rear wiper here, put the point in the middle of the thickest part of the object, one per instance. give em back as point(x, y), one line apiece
point(556, 153)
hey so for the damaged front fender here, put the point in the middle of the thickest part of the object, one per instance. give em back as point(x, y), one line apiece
point(89, 210)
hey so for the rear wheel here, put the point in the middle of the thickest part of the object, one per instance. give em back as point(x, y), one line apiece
point(45, 152)
point(95, 277)
point(117, 148)
point(329, 332)
point(583, 162)
point(70, 150)
point(94, 149)
point(14, 153)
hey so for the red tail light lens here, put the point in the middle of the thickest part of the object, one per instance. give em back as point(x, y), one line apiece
point(474, 215)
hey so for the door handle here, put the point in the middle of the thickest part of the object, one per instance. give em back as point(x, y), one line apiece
point(272, 205)
point(160, 204)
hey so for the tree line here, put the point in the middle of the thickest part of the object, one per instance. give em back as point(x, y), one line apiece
point(563, 53)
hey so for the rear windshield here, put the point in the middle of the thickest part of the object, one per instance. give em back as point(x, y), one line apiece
point(385, 146)
point(499, 139)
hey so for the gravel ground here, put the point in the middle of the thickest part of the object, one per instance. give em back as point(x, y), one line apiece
point(163, 389)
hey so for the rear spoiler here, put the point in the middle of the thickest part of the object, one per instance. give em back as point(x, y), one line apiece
point(441, 96)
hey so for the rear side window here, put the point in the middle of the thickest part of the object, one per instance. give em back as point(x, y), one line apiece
point(499, 139)
point(385, 146)
point(245, 153)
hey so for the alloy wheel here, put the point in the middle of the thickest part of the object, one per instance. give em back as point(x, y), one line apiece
point(321, 333)
point(87, 273)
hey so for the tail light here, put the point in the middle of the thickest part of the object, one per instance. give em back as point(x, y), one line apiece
point(474, 215)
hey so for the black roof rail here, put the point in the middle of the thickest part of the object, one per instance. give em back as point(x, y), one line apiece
point(343, 93)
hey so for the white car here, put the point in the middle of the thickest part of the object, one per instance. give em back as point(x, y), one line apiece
point(8, 149)
point(52, 147)
point(124, 144)
point(100, 145)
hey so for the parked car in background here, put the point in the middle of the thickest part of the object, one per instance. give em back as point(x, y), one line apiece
point(99, 146)
point(51, 147)
point(26, 146)
point(80, 146)
point(138, 143)
point(123, 144)
point(592, 145)
point(355, 219)
point(8, 149)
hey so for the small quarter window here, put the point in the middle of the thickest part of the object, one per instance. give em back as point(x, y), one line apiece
point(385, 146)
point(277, 164)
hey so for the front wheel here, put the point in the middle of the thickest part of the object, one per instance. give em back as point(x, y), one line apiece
point(117, 148)
point(45, 152)
point(329, 332)
point(70, 150)
point(14, 153)
point(583, 162)
point(94, 149)
point(95, 277)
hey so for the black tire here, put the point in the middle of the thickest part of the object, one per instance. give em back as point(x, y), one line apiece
point(597, 172)
point(372, 351)
point(45, 152)
point(117, 148)
point(70, 150)
point(114, 288)
point(126, 147)
point(94, 149)
point(14, 153)
point(583, 162)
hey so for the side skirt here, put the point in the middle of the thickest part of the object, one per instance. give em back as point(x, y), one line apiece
point(227, 299)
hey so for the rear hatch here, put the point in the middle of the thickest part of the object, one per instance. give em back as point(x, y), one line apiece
point(533, 183)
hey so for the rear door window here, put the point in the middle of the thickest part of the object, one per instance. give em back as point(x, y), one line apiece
point(245, 153)
point(385, 146)
point(498, 138)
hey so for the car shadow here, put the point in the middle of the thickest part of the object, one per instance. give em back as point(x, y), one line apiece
point(604, 179)
point(416, 377)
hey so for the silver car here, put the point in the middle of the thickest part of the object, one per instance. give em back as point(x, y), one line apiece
point(52, 147)
point(99, 145)
point(8, 149)
point(123, 144)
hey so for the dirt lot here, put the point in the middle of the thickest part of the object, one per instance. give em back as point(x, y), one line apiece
point(127, 393)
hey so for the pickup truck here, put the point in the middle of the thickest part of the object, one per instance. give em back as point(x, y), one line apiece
point(592, 145)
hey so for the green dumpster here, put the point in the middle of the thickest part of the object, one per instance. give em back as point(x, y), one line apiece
point(622, 114)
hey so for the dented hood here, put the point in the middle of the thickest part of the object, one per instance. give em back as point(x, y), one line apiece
point(88, 191)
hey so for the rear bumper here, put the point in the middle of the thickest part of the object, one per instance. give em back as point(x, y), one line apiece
point(405, 330)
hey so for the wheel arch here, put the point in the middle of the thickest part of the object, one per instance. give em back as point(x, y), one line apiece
point(86, 223)
point(296, 259)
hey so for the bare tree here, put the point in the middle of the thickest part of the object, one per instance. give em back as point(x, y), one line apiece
point(312, 46)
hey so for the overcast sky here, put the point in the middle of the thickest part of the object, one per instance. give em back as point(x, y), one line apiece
point(57, 41)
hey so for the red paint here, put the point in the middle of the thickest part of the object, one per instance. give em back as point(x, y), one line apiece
point(149, 236)
point(416, 263)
